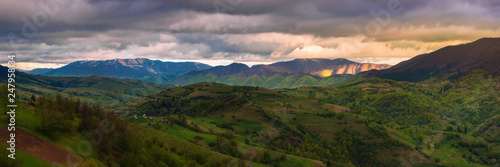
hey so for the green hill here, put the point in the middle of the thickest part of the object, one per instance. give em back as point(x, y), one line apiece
point(269, 121)
point(445, 121)
point(277, 81)
point(253, 81)
point(305, 81)
point(272, 81)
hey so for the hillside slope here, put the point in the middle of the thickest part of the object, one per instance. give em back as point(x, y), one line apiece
point(94, 89)
point(481, 54)
point(262, 119)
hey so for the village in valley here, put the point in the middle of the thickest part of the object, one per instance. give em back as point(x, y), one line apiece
point(162, 120)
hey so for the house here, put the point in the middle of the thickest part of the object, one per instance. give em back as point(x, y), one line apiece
point(135, 116)
point(163, 121)
point(144, 116)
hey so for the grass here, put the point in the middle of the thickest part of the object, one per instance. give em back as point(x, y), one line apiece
point(27, 160)
point(139, 119)
point(28, 120)
point(250, 125)
point(300, 107)
point(326, 127)
point(181, 144)
point(188, 135)
point(446, 150)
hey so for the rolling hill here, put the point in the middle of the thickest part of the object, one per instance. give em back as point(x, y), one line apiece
point(233, 68)
point(263, 120)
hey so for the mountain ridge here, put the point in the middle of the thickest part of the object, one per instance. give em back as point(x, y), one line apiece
point(315, 66)
point(141, 68)
point(483, 54)
point(232, 68)
point(153, 66)
point(182, 73)
point(279, 75)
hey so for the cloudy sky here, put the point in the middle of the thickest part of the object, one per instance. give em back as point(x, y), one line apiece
point(52, 33)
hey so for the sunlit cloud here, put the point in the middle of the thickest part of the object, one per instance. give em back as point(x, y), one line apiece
point(253, 32)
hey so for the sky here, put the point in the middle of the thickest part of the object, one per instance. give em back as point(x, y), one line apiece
point(53, 33)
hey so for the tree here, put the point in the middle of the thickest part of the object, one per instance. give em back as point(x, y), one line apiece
point(53, 116)
point(33, 98)
point(328, 163)
point(247, 141)
point(420, 139)
point(266, 158)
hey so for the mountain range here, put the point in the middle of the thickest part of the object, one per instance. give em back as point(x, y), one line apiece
point(143, 69)
point(315, 67)
point(288, 74)
point(458, 59)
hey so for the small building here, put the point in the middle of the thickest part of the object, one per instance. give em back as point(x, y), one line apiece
point(144, 116)
point(135, 116)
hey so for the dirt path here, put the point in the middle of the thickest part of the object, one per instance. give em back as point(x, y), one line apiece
point(248, 105)
point(37, 147)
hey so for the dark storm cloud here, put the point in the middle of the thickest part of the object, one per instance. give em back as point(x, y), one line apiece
point(318, 17)
point(171, 28)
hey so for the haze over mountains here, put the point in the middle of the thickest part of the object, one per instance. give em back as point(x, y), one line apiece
point(38, 71)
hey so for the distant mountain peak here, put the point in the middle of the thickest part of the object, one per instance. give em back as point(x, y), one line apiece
point(232, 68)
point(237, 64)
point(139, 68)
